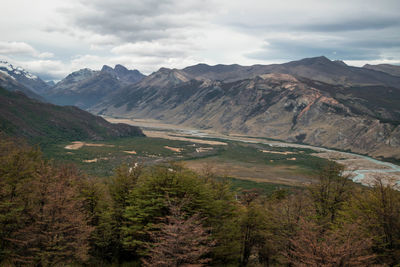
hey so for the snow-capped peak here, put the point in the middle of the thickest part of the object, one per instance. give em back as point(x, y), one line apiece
point(15, 72)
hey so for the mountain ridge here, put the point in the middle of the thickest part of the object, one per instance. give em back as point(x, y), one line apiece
point(27, 79)
point(273, 105)
point(86, 87)
point(24, 117)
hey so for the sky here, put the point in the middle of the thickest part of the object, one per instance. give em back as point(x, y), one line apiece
point(52, 38)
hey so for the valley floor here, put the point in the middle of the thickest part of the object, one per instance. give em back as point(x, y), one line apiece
point(290, 169)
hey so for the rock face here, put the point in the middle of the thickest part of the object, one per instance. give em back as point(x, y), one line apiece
point(346, 114)
point(27, 79)
point(86, 87)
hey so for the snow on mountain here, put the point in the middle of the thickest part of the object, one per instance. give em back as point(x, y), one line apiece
point(12, 71)
point(24, 77)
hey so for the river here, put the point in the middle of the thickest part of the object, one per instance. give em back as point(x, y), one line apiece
point(361, 169)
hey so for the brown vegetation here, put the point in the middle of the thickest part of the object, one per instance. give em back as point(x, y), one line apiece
point(169, 216)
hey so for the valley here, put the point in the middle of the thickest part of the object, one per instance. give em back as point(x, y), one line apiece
point(200, 133)
point(362, 169)
point(256, 162)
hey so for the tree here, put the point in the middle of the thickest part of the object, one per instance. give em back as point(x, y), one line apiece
point(377, 211)
point(253, 226)
point(314, 246)
point(56, 230)
point(331, 192)
point(282, 213)
point(180, 241)
point(148, 203)
point(120, 187)
point(19, 165)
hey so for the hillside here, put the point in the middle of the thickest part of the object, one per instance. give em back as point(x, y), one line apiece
point(364, 119)
point(25, 117)
point(390, 69)
point(318, 68)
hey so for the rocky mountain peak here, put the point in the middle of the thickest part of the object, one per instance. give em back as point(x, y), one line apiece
point(27, 79)
point(322, 60)
point(121, 69)
point(15, 71)
point(340, 62)
point(80, 75)
point(106, 68)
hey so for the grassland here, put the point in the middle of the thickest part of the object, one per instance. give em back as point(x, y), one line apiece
point(255, 164)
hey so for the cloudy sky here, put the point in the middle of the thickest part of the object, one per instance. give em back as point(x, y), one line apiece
point(55, 37)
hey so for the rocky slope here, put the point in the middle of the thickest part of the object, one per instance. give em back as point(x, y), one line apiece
point(318, 68)
point(27, 79)
point(25, 117)
point(86, 87)
point(361, 118)
point(10, 83)
point(390, 69)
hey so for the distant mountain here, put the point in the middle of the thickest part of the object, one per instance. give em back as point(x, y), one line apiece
point(317, 68)
point(123, 74)
point(86, 87)
point(390, 69)
point(30, 81)
point(50, 83)
point(25, 117)
point(11, 84)
point(361, 118)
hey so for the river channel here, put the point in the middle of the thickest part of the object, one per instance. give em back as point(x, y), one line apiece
point(359, 168)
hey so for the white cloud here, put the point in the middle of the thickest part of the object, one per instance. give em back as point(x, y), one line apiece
point(62, 36)
point(16, 48)
point(21, 48)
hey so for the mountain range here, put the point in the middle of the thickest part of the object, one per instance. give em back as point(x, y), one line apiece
point(314, 100)
point(30, 81)
point(86, 87)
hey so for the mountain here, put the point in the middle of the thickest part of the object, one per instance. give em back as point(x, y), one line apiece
point(317, 68)
point(123, 74)
point(25, 117)
point(390, 69)
point(347, 115)
point(86, 87)
point(27, 79)
point(11, 84)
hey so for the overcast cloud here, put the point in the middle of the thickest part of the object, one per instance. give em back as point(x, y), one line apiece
point(53, 38)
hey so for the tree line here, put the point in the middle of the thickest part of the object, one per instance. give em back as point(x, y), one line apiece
point(167, 215)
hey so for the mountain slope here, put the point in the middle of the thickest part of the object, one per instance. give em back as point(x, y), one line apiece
point(25, 117)
point(123, 74)
point(27, 79)
point(390, 69)
point(10, 83)
point(86, 87)
point(317, 68)
point(273, 105)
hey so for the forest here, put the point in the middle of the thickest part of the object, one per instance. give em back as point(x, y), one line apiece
point(166, 215)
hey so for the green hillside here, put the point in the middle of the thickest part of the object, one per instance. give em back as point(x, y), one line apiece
point(25, 117)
